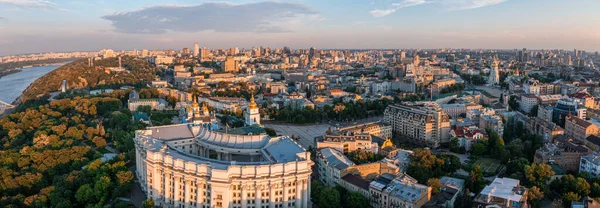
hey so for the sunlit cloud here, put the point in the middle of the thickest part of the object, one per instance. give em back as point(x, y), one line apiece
point(38, 4)
point(450, 5)
point(262, 17)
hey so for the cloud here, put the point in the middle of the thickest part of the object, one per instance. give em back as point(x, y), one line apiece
point(261, 17)
point(451, 5)
point(469, 4)
point(38, 4)
point(395, 7)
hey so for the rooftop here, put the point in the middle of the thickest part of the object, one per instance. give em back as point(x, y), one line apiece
point(504, 188)
point(335, 158)
point(357, 181)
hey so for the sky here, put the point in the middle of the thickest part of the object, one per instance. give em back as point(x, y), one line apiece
point(32, 26)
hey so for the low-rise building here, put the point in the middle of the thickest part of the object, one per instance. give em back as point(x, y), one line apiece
point(467, 136)
point(330, 163)
point(590, 164)
point(527, 102)
point(502, 193)
point(346, 141)
point(154, 103)
point(580, 129)
point(564, 152)
point(451, 189)
point(398, 191)
point(376, 129)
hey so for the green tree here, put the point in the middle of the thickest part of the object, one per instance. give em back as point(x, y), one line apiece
point(534, 196)
point(478, 149)
point(149, 203)
point(356, 200)
point(85, 194)
point(435, 185)
point(567, 198)
point(538, 174)
point(476, 182)
point(424, 165)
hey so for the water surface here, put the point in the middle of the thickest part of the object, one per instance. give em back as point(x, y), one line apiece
point(12, 85)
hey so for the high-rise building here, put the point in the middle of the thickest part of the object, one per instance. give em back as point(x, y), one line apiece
point(312, 53)
point(232, 51)
point(145, 53)
point(494, 77)
point(416, 60)
point(422, 123)
point(204, 54)
point(231, 65)
point(287, 50)
point(402, 55)
point(185, 51)
point(196, 49)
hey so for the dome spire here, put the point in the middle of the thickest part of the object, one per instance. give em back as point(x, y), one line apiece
point(252, 104)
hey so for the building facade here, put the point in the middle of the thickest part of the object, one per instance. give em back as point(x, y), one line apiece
point(191, 166)
point(422, 123)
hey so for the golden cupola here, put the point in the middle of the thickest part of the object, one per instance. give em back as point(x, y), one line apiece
point(252, 104)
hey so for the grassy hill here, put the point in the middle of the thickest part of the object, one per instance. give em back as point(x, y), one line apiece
point(79, 76)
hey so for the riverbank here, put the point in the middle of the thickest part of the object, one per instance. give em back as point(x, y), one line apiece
point(16, 67)
point(13, 85)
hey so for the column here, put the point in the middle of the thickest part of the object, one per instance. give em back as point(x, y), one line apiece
point(186, 192)
point(258, 196)
point(271, 195)
point(244, 196)
point(299, 192)
point(285, 194)
point(219, 155)
point(306, 193)
point(176, 191)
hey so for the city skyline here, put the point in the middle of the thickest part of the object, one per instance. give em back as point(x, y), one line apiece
point(32, 26)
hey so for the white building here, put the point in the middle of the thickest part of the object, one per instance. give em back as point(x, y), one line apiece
point(527, 102)
point(191, 166)
point(590, 163)
point(154, 103)
point(502, 192)
point(252, 115)
point(494, 77)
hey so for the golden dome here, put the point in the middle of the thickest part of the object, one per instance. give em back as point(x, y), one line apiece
point(252, 104)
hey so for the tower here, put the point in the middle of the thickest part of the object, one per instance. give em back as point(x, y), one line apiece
point(494, 77)
point(196, 49)
point(252, 114)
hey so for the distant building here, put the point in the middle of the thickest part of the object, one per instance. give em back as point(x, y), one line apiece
point(580, 129)
point(345, 141)
point(528, 101)
point(231, 65)
point(154, 103)
point(502, 193)
point(423, 123)
point(196, 49)
point(162, 60)
point(467, 136)
point(377, 129)
point(63, 86)
point(564, 152)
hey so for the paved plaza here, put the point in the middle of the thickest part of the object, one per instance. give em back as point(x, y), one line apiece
point(306, 133)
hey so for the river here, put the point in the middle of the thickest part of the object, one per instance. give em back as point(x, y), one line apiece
point(12, 85)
